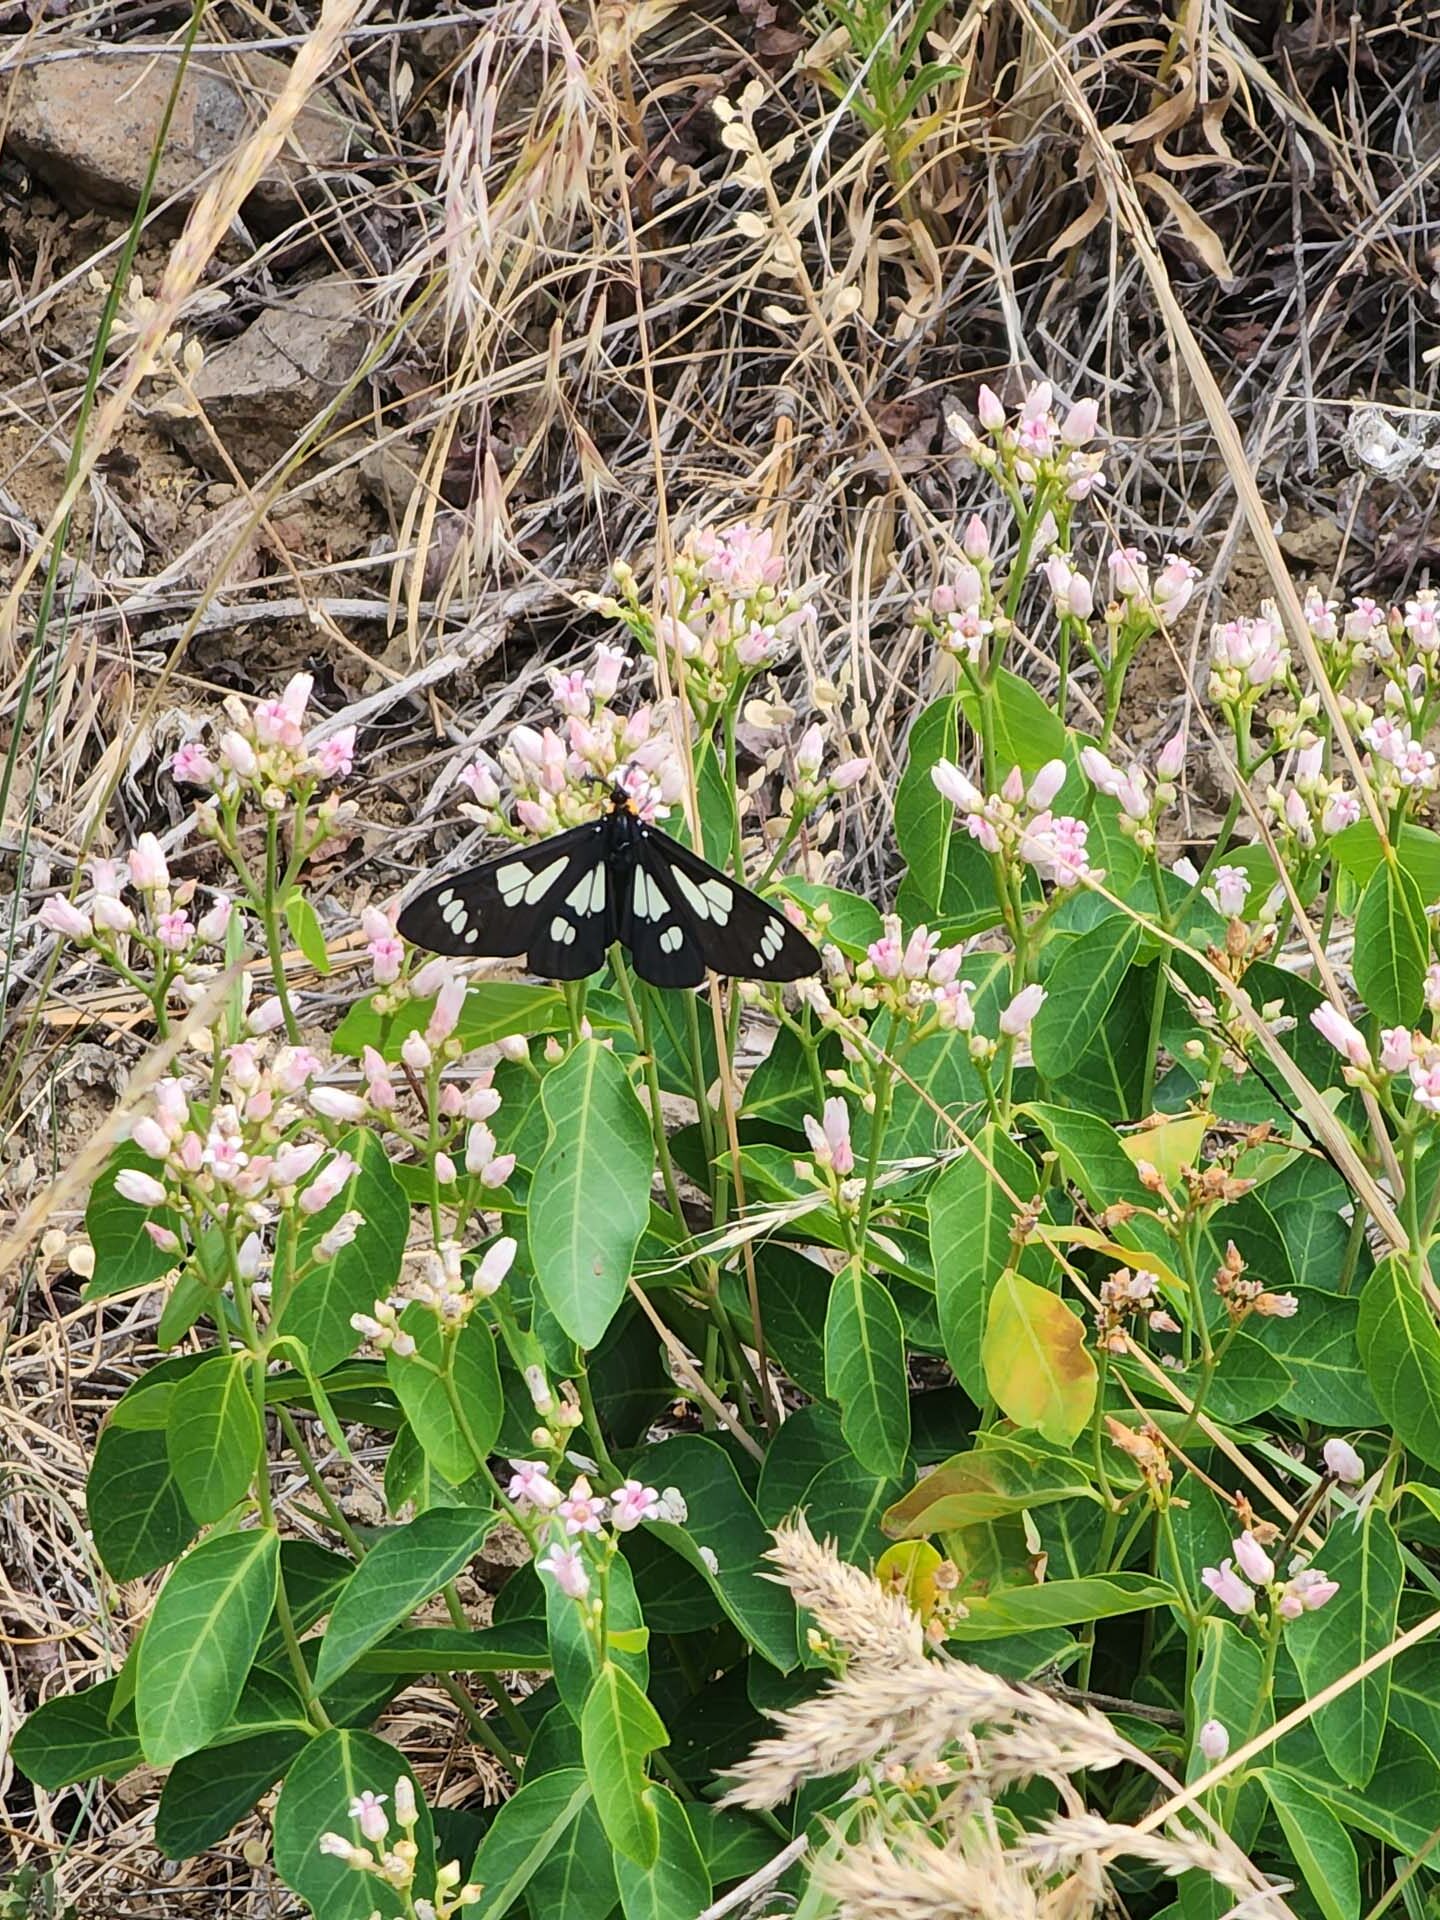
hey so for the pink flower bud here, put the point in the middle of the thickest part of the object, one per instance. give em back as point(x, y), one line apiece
point(57, 915)
point(495, 1263)
point(415, 1052)
point(430, 978)
point(1017, 1018)
point(514, 1047)
point(163, 1238)
point(334, 1103)
point(329, 1182)
point(335, 757)
point(830, 1138)
point(1046, 784)
point(975, 541)
point(607, 672)
point(267, 1016)
point(1343, 1462)
point(146, 859)
point(111, 914)
point(1079, 424)
point(444, 1170)
point(237, 756)
point(143, 1189)
point(192, 766)
point(1228, 1588)
point(957, 787)
point(810, 752)
point(1343, 1034)
point(1214, 1741)
point(848, 774)
point(150, 1137)
point(1252, 1560)
point(567, 1569)
point(989, 410)
point(1171, 762)
point(1012, 787)
point(292, 1163)
point(1129, 577)
point(1397, 1049)
point(213, 925)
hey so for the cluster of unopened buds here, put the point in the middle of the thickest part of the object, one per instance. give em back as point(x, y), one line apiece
point(395, 1860)
point(1248, 658)
point(961, 613)
point(725, 614)
point(1019, 823)
point(265, 752)
point(1036, 451)
point(814, 784)
point(1123, 1297)
point(1239, 1584)
point(160, 921)
point(1140, 804)
point(1243, 1296)
point(581, 1515)
point(560, 776)
point(1312, 805)
point(247, 1152)
point(443, 1288)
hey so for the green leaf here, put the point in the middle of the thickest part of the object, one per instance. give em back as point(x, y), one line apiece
point(72, 1738)
point(456, 1432)
point(1229, 1680)
point(972, 1219)
point(1357, 849)
point(577, 1876)
point(793, 1289)
point(1061, 1603)
point(125, 1255)
point(1319, 1346)
point(574, 1658)
point(1082, 980)
point(213, 1436)
point(722, 1518)
point(1392, 946)
point(1400, 1345)
point(865, 1369)
point(679, 1881)
point(492, 1010)
point(1037, 1365)
point(522, 1836)
point(590, 1198)
point(318, 1311)
point(137, 1515)
point(924, 818)
point(1324, 1852)
point(1355, 1624)
point(618, 1729)
point(519, 1646)
point(853, 923)
point(1400, 1806)
point(306, 931)
point(200, 1642)
point(987, 1483)
point(1025, 731)
point(1248, 1380)
point(207, 1792)
point(399, 1574)
point(333, 1770)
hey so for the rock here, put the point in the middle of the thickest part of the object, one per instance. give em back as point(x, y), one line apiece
point(261, 389)
point(86, 126)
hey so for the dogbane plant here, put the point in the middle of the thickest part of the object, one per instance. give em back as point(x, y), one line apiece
point(1065, 1257)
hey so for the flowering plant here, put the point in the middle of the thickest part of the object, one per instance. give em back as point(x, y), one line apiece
point(1062, 1256)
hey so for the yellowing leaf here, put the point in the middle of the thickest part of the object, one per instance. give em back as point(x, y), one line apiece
point(1037, 1366)
point(909, 1568)
point(1169, 1147)
point(1136, 1257)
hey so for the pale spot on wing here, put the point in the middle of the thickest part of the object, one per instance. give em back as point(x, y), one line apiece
point(710, 900)
point(561, 931)
point(650, 902)
point(589, 895)
point(671, 940)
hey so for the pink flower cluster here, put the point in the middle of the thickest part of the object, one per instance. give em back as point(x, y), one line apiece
point(245, 1151)
point(1305, 1591)
point(960, 613)
point(443, 1289)
point(582, 1514)
point(562, 775)
point(160, 921)
point(1018, 821)
point(1312, 804)
point(1037, 449)
point(1247, 658)
point(1165, 597)
point(1140, 808)
point(813, 786)
point(829, 1139)
point(266, 750)
point(1398, 757)
point(1417, 1055)
point(395, 1864)
point(725, 615)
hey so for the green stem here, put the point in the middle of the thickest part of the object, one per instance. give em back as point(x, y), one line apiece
point(271, 918)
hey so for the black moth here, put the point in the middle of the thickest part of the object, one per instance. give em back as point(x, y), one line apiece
point(563, 901)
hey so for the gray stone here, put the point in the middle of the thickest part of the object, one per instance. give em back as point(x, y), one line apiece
point(86, 126)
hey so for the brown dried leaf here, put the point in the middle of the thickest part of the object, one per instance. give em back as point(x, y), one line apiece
point(1196, 232)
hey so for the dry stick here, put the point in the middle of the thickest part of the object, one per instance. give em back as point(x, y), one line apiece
point(762, 1877)
point(686, 1368)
